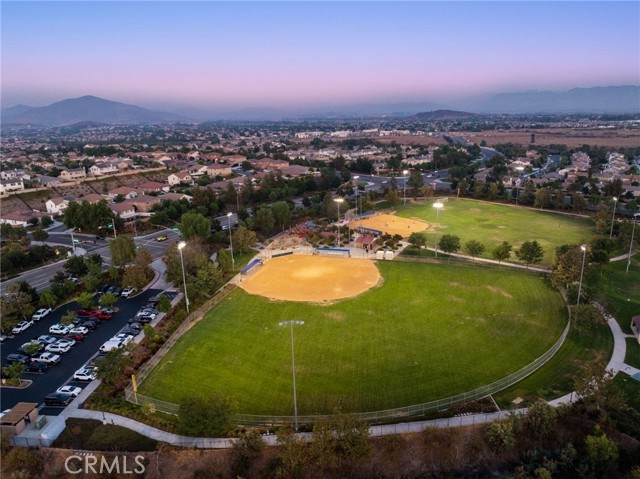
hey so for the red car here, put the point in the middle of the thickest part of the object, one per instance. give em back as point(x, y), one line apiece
point(74, 336)
point(102, 315)
point(85, 313)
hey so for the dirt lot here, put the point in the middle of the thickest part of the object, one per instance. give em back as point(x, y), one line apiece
point(559, 136)
point(316, 279)
point(392, 224)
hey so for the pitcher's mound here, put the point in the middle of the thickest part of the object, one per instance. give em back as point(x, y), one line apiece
point(312, 278)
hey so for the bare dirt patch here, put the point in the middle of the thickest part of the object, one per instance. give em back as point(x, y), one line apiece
point(315, 279)
point(499, 291)
point(392, 224)
point(559, 136)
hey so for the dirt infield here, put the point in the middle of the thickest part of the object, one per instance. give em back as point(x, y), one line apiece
point(392, 224)
point(314, 279)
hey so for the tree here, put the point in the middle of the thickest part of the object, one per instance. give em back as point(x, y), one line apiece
point(39, 234)
point(143, 258)
point(567, 265)
point(94, 259)
point(114, 273)
point(113, 366)
point(107, 300)
point(542, 198)
point(281, 214)
point(244, 239)
point(68, 318)
point(135, 277)
point(449, 243)
point(208, 416)
point(329, 207)
point(474, 248)
point(48, 299)
point(528, 195)
point(75, 266)
point(91, 281)
point(122, 249)
point(392, 197)
point(530, 252)
point(224, 260)
point(194, 225)
point(578, 202)
point(502, 252)
point(293, 453)
point(416, 180)
point(164, 304)
point(602, 452)
point(501, 435)
point(541, 419)
point(595, 386)
point(418, 240)
point(207, 280)
point(245, 451)
point(340, 440)
point(602, 218)
point(15, 307)
point(586, 316)
point(85, 300)
point(13, 372)
point(46, 221)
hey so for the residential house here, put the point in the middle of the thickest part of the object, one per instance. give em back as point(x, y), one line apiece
point(21, 218)
point(144, 203)
point(294, 171)
point(101, 169)
point(48, 180)
point(153, 187)
point(6, 186)
point(56, 205)
point(219, 170)
point(269, 164)
point(127, 191)
point(233, 159)
point(71, 174)
point(175, 197)
point(179, 178)
point(124, 210)
point(92, 198)
point(14, 174)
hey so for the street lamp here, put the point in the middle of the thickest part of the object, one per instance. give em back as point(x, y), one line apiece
point(631, 243)
point(437, 205)
point(356, 178)
point(613, 218)
point(181, 246)
point(404, 175)
point(338, 200)
point(73, 242)
point(293, 369)
point(233, 261)
point(584, 255)
point(520, 169)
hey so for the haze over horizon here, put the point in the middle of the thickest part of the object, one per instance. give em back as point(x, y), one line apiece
point(218, 55)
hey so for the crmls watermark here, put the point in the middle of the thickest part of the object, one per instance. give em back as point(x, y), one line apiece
point(99, 464)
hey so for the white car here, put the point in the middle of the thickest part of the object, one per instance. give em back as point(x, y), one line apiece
point(48, 358)
point(79, 330)
point(58, 348)
point(66, 342)
point(46, 339)
point(123, 337)
point(87, 373)
point(72, 390)
point(111, 345)
point(41, 313)
point(128, 292)
point(22, 326)
point(147, 312)
point(59, 329)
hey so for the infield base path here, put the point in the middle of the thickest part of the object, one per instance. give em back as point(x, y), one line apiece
point(391, 224)
point(314, 279)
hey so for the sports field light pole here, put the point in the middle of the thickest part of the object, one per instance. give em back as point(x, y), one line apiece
point(233, 262)
point(631, 244)
point(338, 200)
point(613, 218)
point(404, 175)
point(520, 169)
point(356, 178)
point(181, 246)
point(584, 255)
point(437, 205)
point(293, 369)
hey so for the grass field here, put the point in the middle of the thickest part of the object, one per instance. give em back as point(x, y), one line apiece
point(492, 223)
point(632, 358)
point(429, 331)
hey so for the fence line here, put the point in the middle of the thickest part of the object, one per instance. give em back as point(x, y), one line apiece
point(376, 417)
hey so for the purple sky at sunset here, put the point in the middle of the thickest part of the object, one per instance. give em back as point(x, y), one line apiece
point(216, 54)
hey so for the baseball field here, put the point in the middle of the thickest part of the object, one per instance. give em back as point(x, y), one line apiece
point(420, 332)
point(491, 224)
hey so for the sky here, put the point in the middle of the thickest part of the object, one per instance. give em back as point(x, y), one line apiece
point(284, 54)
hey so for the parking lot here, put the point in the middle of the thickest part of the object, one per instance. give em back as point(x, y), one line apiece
point(79, 354)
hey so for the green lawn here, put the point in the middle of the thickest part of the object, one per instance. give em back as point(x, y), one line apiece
point(429, 331)
point(492, 223)
point(617, 290)
point(632, 358)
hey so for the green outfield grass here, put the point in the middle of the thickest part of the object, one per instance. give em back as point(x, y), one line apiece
point(491, 224)
point(428, 332)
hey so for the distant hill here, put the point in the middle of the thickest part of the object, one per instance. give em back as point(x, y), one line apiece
point(443, 115)
point(612, 99)
point(85, 109)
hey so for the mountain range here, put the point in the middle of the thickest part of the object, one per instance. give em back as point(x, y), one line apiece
point(612, 99)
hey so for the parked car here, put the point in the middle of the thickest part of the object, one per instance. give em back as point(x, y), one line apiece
point(2, 337)
point(79, 330)
point(145, 318)
point(133, 324)
point(22, 326)
point(127, 292)
point(71, 390)
point(117, 291)
point(85, 313)
point(46, 339)
point(103, 315)
point(18, 358)
point(77, 336)
point(161, 238)
point(111, 345)
point(57, 399)
point(107, 311)
point(66, 341)
point(36, 367)
point(32, 348)
point(131, 331)
point(59, 329)
point(48, 358)
point(123, 337)
point(58, 348)
point(90, 324)
point(104, 289)
point(87, 373)
point(41, 313)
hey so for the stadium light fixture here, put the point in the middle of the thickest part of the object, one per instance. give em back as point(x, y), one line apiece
point(356, 179)
point(633, 230)
point(233, 261)
point(338, 200)
point(404, 175)
point(293, 368)
point(181, 246)
point(584, 255)
point(437, 205)
point(613, 218)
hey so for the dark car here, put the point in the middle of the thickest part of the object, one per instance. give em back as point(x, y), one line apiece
point(58, 399)
point(135, 325)
point(131, 331)
point(74, 336)
point(18, 358)
point(140, 319)
point(117, 291)
point(104, 289)
point(90, 324)
point(98, 359)
point(36, 367)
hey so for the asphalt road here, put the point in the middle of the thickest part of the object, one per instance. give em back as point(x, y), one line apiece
point(39, 278)
point(79, 354)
